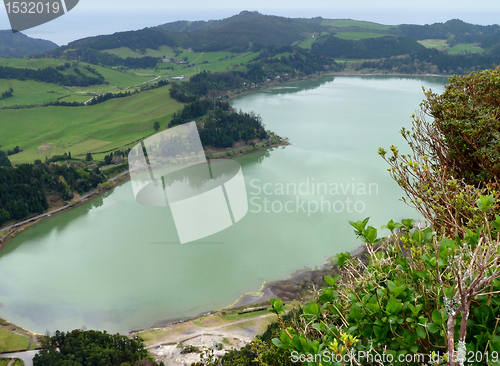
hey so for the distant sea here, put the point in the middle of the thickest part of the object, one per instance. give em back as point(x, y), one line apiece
point(80, 23)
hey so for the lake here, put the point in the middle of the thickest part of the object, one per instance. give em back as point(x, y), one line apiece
point(116, 265)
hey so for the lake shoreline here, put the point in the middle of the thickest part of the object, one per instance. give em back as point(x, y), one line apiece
point(298, 286)
point(252, 298)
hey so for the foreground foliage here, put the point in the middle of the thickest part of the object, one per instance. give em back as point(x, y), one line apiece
point(455, 158)
point(417, 295)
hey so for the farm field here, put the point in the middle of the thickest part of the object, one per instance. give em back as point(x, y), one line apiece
point(345, 23)
point(359, 35)
point(121, 79)
point(37, 63)
point(31, 92)
point(307, 43)
point(434, 43)
point(125, 52)
point(76, 98)
point(104, 126)
point(465, 48)
point(230, 63)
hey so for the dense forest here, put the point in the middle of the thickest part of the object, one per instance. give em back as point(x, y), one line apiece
point(24, 189)
point(455, 31)
point(220, 126)
point(433, 61)
point(91, 347)
point(367, 48)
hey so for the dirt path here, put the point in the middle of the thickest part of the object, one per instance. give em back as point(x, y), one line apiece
point(219, 337)
point(190, 330)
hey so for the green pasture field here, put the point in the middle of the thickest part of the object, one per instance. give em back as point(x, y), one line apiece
point(344, 23)
point(434, 43)
point(166, 51)
point(307, 43)
point(359, 35)
point(216, 56)
point(125, 52)
point(31, 92)
point(76, 98)
point(12, 341)
point(465, 48)
point(36, 63)
point(103, 88)
point(191, 56)
point(219, 66)
point(120, 78)
point(100, 127)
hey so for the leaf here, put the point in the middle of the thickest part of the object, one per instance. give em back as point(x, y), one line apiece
point(433, 328)
point(318, 327)
point(394, 306)
point(277, 306)
point(277, 342)
point(437, 317)
point(327, 295)
point(355, 312)
point(485, 202)
point(332, 281)
point(391, 225)
point(408, 223)
point(421, 332)
point(370, 234)
point(311, 309)
point(341, 259)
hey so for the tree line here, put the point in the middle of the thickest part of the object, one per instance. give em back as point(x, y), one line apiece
point(50, 75)
point(293, 63)
point(93, 56)
point(7, 94)
point(431, 60)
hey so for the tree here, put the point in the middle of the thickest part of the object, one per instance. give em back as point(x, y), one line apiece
point(93, 348)
point(455, 157)
point(4, 160)
point(89, 157)
point(451, 177)
point(156, 126)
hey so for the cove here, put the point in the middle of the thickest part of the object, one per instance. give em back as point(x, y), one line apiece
point(116, 265)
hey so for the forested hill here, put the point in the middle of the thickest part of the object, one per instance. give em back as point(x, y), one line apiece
point(340, 38)
point(20, 45)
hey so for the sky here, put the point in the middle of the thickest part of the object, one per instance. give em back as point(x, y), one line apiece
point(95, 17)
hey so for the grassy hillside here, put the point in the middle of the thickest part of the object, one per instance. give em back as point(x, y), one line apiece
point(345, 23)
point(465, 48)
point(434, 43)
point(358, 35)
point(125, 52)
point(31, 92)
point(104, 126)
